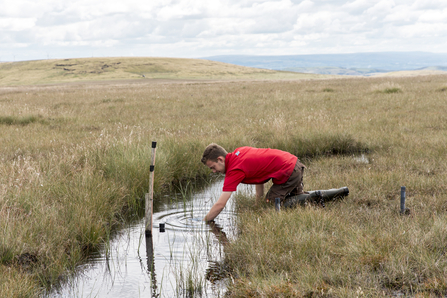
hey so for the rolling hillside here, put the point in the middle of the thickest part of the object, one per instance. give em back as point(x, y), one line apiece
point(97, 69)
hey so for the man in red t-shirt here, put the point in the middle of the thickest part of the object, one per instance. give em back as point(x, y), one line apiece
point(254, 166)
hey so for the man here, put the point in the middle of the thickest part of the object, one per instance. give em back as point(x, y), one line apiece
point(254, 166)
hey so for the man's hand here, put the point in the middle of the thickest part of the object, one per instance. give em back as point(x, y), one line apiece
point(218, 206)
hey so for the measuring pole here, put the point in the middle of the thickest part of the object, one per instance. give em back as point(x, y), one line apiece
point(150, 196)
point(402, 199)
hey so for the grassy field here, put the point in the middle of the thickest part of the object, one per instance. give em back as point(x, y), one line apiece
point(124, 68)
point(75, 162)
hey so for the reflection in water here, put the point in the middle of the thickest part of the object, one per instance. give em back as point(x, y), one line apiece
point(174, 263)
point(151, 265)
point(218, 232)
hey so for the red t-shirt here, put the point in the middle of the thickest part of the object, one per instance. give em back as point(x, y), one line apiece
point(256, 166)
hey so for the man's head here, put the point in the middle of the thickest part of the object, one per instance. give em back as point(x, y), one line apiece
point(214, 158)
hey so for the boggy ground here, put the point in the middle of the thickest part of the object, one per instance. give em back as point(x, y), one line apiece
point(75, 162)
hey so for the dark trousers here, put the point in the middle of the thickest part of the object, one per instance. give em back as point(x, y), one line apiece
point(293, 185)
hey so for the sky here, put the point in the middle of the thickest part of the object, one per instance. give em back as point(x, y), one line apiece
point(54, 29)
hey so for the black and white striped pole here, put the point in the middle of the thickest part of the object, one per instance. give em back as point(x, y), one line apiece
point(149, 198)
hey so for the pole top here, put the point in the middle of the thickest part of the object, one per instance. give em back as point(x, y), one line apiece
point(154, 144)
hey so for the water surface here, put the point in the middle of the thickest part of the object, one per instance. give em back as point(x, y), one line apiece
point(174, 263)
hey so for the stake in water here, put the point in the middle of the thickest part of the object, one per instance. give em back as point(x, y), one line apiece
point(179, 262)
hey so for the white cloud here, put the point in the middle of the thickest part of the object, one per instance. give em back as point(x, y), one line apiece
point(16, 24)
point(429, 4)
point(356, 7)
point(195, 28)
point(381, 9)
point(434, 16)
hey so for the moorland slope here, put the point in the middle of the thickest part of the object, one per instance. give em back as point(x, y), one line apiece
point(125, 68)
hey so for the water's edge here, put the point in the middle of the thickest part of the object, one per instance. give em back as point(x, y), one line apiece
point(174, 263)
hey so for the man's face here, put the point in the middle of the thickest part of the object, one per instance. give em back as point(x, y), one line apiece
point(217, 167)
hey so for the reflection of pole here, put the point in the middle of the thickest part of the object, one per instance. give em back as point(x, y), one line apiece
point(150, 196)
point(151, 265)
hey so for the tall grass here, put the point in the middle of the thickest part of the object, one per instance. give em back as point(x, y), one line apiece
point(70, 178)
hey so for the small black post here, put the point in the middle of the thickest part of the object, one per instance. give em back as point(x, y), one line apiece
point(402, 199)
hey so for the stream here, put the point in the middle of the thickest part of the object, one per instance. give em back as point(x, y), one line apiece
point(182, 261)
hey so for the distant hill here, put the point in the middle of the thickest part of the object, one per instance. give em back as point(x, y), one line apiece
point(125, 68)
point(331, 70)
point(411, 73)
point(441, 68)
point(342, 64)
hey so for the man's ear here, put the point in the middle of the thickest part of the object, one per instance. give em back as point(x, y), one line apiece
point(221, 158)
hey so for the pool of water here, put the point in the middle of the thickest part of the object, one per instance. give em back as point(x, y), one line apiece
point(174, 263)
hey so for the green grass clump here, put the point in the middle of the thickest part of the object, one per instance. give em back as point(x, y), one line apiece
point(391, 90)
point(14, 120)
point(388, 87)
point(6, 254)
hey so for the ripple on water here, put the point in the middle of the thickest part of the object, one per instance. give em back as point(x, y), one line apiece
point(187, 220)
point(187, 251)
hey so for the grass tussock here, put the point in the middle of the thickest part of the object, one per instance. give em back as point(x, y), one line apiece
point(387, 88)
point(391, 90)
point(315, 250)
point(67, 182)
point(25, 120)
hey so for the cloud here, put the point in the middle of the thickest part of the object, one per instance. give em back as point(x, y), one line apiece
point(195, 28)
point(16, 24)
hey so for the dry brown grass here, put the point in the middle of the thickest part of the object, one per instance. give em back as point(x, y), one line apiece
point(67, 176)
point(125, 68)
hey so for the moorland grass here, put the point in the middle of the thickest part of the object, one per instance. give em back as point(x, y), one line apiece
point(69, 179)
point(131, 68)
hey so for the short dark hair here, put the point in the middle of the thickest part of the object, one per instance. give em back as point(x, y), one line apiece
point(212, 152)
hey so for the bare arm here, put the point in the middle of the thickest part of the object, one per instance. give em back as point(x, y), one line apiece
point(259, 192)
point(218, 206)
